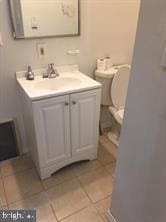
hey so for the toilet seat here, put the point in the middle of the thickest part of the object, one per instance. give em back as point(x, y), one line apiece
point(119, 92)
point(117, 114)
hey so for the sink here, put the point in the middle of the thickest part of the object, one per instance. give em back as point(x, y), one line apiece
point(57, 83)
point(70, 80)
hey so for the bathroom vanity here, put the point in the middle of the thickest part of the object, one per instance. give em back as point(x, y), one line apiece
point(61, 117)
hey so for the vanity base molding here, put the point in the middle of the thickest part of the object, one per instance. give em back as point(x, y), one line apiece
point(47, 172)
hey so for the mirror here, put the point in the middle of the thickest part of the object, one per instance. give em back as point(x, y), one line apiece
point(44, 18)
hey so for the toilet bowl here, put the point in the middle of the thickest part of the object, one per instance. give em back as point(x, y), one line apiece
point(114, 92)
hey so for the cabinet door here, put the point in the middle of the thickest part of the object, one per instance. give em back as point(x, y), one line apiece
point(85, 109)
point(52, 126)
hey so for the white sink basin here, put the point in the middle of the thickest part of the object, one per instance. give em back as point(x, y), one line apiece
point(70, 80)
point(57, 83)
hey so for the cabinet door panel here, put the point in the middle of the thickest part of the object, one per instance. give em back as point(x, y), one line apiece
point(52, 127)
point(85, 109)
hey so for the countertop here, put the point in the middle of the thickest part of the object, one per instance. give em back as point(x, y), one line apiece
point(35, 93)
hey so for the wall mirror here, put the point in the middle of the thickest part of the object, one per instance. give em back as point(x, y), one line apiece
point(44, 18)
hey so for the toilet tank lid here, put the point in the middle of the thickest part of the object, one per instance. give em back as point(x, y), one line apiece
point(109, 73)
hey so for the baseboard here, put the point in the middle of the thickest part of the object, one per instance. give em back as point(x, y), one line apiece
point(110, 217)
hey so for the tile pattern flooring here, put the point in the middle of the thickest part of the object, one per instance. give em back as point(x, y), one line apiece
point(78, 193)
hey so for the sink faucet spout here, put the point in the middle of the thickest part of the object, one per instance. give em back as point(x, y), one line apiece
point(51, 72)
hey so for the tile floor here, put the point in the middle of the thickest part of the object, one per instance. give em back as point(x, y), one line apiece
point(78, 193)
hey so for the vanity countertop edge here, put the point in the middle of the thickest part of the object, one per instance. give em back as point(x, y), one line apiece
point(28, 86)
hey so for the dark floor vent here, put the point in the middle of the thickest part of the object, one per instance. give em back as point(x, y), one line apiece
point(8, 140)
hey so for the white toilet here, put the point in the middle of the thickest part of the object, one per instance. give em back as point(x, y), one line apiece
point(114, 90)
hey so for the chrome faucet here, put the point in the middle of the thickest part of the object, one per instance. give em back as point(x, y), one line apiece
point(51, 72)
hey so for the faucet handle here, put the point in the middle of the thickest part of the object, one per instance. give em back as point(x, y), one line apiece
point(51, 65)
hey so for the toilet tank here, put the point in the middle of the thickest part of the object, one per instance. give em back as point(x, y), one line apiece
point(105, 78)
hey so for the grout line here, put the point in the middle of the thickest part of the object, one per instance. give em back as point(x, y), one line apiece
point(51, 187)
point(42, 185)
point(75, 212)
point(71, 213)
point(88, 194)
point(17, 158)
point(111, 174)
point(109, 196)
point(99, 214)
point(102, 214)
point(111, 162)
point(45, 190)
point(90, 171)
point(24, 198)
point(75, 176)
point(84, 190)
point(52, 208)
point(17, 172)
point(9, 162)
point(91, 204)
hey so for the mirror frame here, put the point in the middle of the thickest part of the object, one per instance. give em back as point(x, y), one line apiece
point(19, 29)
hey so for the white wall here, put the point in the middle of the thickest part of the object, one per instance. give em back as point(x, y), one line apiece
point(107, 27)
point(139, 194)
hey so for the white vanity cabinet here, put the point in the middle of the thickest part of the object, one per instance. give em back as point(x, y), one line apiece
point(61, 118)
point(52, 127)
point(84, 114)
point(66, 129)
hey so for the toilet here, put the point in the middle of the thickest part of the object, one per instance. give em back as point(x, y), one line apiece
point(114, 91)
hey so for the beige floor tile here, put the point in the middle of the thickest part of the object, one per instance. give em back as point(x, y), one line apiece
point(22, 185)
point(105, 218)
point(104, 155)
point(4, 208)
point(111, 169)
point(68, 198)
point(103, 140)
point(98, 184)
point(40, 203)
point(103, 205)
point(16, 165)
point(0, 173)
point(86, 215)
point(59, 177)
point(86, 166)
point(2, 194)
point(112, 149)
